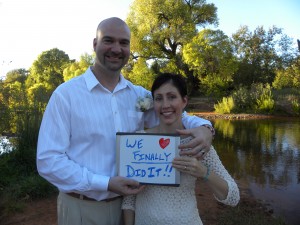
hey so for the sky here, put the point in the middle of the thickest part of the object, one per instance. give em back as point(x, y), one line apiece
point(27, 28)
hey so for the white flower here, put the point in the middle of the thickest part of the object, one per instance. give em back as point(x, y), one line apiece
point(144, 104)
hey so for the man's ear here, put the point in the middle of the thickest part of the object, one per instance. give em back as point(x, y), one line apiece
point(94, 44)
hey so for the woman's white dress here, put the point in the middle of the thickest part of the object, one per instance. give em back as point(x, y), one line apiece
point(163, 205)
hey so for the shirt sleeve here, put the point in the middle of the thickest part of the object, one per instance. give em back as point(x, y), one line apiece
point(193, 121)
point(213, 161)
point(52, 160)
point(129, 202)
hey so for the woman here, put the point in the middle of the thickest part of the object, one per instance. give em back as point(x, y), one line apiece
point(177, 205)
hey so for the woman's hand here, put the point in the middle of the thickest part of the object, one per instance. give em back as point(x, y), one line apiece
point(190, 165)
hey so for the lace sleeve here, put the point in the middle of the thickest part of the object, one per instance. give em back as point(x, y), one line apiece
point(129, 202)
point(212, 159)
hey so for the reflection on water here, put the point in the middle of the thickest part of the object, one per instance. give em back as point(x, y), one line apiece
point(266, 154)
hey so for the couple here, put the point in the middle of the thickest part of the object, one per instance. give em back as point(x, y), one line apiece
point(177, 205)
point(77, 138)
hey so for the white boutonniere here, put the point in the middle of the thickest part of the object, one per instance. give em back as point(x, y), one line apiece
point(144, 104)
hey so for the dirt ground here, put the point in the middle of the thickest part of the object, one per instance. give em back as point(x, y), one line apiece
point(43, 212)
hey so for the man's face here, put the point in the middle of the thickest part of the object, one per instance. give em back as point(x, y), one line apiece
point(112, 47)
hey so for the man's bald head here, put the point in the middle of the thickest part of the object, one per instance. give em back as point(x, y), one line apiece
point(109, 22)
point(112, 46)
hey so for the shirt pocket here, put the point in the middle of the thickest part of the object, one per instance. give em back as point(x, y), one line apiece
point(134, 121)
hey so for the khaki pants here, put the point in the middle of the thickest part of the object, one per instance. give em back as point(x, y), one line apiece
point(73, 211)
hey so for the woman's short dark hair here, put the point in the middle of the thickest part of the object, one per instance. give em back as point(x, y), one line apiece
point(177, 80)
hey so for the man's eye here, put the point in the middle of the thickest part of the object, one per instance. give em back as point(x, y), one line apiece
point(124, 43)
point(107, 41)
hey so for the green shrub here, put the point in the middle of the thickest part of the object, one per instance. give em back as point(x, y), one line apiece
point(226, 106)
point(265, 105)
point(265, 102)
point(243, 101)
point(20, 180)
point(30, 188)
point(296, 107)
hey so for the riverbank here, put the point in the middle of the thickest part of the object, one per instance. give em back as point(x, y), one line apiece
point(242, 116)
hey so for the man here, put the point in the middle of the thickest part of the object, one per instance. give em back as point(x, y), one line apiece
point(76, 146)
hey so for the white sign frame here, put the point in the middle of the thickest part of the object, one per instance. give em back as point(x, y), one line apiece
point(147, 157)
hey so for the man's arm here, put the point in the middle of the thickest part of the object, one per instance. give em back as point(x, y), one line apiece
point(199, 128)
point(202, 131)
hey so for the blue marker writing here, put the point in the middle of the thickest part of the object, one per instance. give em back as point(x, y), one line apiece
point(137, 143)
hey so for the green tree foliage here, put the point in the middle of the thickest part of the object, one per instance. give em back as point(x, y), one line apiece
point(296, 107)
point(210, 56)
point(38, 96)
point(13, 87)
point(141, 74)
point(19, 75)
point(4, 113)
point(261, 54)
point(24, 92)
point(14, 99)
point(48, 69)
point(74, 69)
point(160, 29)
point(289, 77)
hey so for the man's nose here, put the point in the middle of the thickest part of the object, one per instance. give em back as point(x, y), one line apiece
point(116, 47)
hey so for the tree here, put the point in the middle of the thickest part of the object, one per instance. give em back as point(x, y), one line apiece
point(289, 77)
point(160, 29)
point(48, 69)
point(4, 110)
point(16, 75)
point(13, 99)
point(74, 69)
point(141, 74)
point(261, 54)
point(38, 97)
point(210, 56)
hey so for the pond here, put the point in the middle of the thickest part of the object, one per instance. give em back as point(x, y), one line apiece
point(264, 153)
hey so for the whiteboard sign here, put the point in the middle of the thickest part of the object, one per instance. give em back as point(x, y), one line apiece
point(148, 158)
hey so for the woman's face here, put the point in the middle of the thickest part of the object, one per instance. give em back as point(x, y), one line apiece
point(168, 103)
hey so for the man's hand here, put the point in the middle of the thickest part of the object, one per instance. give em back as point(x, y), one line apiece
point(124, 186)
point(199, 145)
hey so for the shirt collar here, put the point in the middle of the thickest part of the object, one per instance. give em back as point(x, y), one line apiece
point(92, 82)
point(90, 79)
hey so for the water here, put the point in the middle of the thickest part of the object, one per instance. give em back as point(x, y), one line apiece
point(265, 154)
